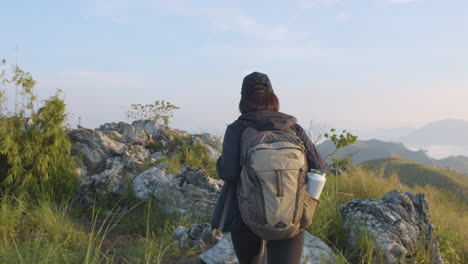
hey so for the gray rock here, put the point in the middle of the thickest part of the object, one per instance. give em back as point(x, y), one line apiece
point(94, 148)
point(399, 223)
point(197, 244)
point(221, 253)
point(209, 142)
point(101, 186)
point(191, 193)
point(200, 232)
point(315, 252)
point(140, 132)
point(181, 235)
point(157, 155)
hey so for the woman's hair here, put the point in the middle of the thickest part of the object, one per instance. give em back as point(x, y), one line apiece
point(260, 101)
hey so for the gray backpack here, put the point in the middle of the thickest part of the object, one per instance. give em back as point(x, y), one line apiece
point(273, 198)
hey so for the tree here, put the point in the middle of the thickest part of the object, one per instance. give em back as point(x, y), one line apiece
point(340, 140)
point(159, 110)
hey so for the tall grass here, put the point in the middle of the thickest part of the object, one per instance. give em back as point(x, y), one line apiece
point(46, 232)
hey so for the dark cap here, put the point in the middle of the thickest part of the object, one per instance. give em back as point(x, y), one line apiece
point(252, 80)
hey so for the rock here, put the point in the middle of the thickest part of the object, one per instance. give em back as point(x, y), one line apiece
point(94, 148)
point(140, 132)
point(101, 186)
point(209, 142)
point(200, 232)
point(181, 235)
point(197, 235)
point(82, 172)
point(125, 150)
point(197, 244)
point(189, 193)
point(400, 224)
point(221, 253)
point(157, 155)
point(315, 252)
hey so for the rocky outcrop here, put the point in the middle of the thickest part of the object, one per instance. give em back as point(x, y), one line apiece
point(315, 251)
point(187, 193)
point(399, 224)
point(118, 158)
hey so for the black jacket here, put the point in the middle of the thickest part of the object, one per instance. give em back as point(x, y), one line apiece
point(228, 165)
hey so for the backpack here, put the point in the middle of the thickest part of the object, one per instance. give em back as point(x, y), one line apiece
point(272, 194)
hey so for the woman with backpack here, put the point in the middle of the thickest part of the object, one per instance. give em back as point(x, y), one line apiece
point(265, 158)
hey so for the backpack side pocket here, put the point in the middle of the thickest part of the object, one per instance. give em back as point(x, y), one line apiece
point(310, 205)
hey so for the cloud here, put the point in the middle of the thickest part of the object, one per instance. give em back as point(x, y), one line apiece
point(314, 3)
point(234, 20)
point(343, 15)
point(222, 19)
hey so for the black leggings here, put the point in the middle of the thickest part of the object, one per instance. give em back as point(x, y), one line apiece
point(247, 246)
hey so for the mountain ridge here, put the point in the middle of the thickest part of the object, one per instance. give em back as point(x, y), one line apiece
point(365, 150)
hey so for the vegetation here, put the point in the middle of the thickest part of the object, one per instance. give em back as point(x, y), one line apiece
point(38, 223)
point(191, 153)
point(416, 174)
point(159, 110)
point(34, 147)
point(49, 233)
point(449, 215)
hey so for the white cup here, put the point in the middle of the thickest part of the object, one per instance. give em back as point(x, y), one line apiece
point(315, 182)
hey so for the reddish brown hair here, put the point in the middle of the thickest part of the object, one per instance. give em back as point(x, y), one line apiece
point(257, 102)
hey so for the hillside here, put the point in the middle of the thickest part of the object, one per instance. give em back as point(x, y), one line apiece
point(412, 173)
point(457, 163)
point(364, 150)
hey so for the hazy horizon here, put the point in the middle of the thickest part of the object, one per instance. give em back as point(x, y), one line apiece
point(359, 65)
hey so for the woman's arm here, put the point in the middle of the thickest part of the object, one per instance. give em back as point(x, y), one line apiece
point(314, 159)
point(228, 165)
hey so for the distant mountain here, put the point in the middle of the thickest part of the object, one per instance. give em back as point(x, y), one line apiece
point(385, 134)
point(457, 163)
point(374, 149)
point(443, 132)
point(364, 150)
point(412, 173)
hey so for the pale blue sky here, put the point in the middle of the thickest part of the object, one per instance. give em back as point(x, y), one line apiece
point(347, 63)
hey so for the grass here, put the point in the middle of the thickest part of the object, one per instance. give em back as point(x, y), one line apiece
point(47, 232)
point(416, 174)
point(194, 154)
point(448, 214)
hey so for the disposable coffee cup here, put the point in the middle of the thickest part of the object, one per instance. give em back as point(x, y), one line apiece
point(315, 182)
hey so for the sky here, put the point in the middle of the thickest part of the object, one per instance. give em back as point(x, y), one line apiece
point(355, 64)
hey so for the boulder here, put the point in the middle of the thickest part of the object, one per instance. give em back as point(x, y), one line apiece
point(190, 193)
point(110, 183)
point(94, 148)
point(315, 252)
point(399, 224)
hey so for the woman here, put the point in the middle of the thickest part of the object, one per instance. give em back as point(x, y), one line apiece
point(259, 108)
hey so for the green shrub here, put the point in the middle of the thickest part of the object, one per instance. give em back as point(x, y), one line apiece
point(35, 151)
